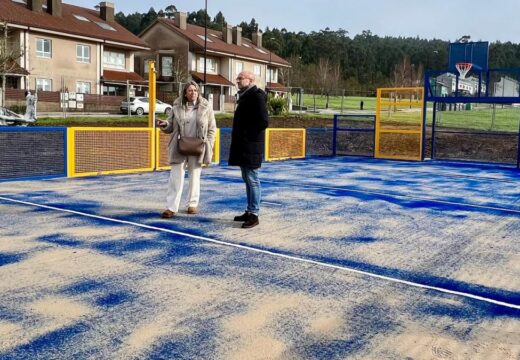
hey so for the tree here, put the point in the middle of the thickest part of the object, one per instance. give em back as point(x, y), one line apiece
point(148, 18)
point(407, 74)
point(9, 53)
point(169, 11)
point(197, 18)
point(179, 68)
point(249, 29)
point(132, 22)
point(327, 77)
point(219, 22)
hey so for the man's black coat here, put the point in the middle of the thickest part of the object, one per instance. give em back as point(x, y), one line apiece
point(249, 124)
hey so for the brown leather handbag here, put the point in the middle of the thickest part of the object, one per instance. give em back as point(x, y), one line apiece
point(190, 146)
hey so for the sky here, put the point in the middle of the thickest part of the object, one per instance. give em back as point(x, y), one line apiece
point(483, 20)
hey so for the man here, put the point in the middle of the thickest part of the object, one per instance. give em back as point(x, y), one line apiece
point(30, 106)
point(248, 142)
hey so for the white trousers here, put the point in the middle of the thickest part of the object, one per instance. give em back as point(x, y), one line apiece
point(176, 183)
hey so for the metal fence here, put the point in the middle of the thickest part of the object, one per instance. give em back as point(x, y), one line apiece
point(331, 101)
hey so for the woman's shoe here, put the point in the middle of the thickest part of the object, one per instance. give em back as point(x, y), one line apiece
point(192, 210)
point(167, 214)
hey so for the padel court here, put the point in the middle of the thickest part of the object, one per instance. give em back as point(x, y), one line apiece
point(353, 258)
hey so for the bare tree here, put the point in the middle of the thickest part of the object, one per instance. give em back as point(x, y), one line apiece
point(293, 75)
point(179, 68)
point(407, 74)
point(328, 76)
point(8, 56)
point(284, 75)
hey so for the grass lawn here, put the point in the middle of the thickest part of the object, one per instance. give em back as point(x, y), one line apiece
point(480, 119)
point(506, 119)
point(349, 102)
point(108, 120)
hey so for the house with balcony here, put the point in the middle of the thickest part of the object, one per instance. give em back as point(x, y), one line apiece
point(63, 47)
point(178, 49)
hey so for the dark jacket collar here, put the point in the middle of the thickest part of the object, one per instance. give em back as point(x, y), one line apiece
point(249, 90)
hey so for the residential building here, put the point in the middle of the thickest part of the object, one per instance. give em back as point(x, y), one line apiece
point(69, 48)
point(506, 87)
point(179, 48)
point(447, 83)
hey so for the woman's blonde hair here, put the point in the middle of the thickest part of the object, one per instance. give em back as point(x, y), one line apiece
point(185, 89)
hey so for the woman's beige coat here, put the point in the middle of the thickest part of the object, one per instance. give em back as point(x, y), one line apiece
point(206, 130)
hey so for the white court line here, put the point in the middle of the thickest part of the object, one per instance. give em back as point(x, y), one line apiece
point(271, 203)
point(267, 252)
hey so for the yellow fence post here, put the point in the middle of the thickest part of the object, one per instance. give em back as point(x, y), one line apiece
point(152, 96)
point(71, 153)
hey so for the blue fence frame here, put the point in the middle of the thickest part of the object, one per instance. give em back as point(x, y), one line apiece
point(338, 129)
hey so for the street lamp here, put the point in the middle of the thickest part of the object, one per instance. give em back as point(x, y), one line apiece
point(205, 41)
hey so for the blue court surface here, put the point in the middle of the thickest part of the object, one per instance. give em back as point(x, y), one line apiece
point(353, 259)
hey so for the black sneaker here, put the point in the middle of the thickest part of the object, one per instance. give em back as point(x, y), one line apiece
point(243, 217)
point(251, 222)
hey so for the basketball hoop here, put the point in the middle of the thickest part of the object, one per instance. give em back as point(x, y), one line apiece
point(463, 69)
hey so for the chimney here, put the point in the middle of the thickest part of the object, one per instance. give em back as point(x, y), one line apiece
point(54, 7)
point(35, 5)
point(106, 11)
point(237, 35)
point(180, 20)
point(227, 34)
point(257, 38)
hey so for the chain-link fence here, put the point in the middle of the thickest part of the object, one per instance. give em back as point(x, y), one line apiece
point(330, 101)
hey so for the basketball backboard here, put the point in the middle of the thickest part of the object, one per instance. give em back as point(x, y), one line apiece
point(476, 53)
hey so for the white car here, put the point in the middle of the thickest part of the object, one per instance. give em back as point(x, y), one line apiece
point(141, 105)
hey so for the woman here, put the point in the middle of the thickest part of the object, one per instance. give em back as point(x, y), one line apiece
point(191, 116)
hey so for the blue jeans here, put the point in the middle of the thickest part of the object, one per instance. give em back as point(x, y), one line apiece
point(253, 190)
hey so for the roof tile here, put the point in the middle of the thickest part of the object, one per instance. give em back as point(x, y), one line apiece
point(19, 14)
point(216, 43)
point(212, 79)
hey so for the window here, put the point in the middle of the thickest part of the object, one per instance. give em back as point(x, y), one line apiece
point(211, 65)
point(202, 37)
point(80, 17)
point(82, 53)
point(83, 87)
point(44, 48)
point(239, 67)
point(114, 60)
point(166, 66)
point(256, 70)
point(145, 67)
point(44, 84)
point(109, 90)
point(104, 26)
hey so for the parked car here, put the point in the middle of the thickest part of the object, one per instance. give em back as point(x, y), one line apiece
point(10, 118)
point(141, 105)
